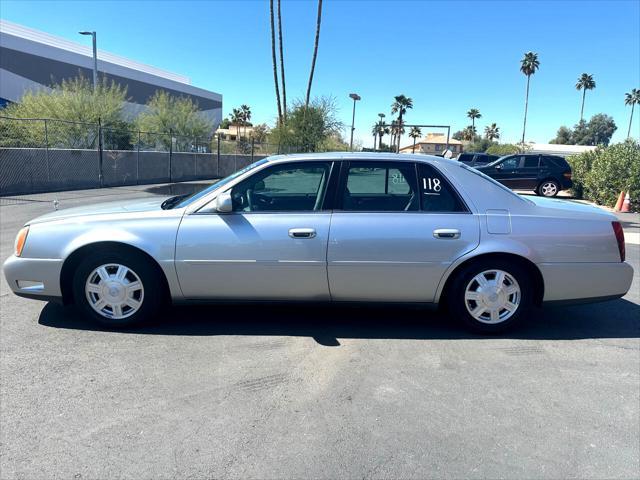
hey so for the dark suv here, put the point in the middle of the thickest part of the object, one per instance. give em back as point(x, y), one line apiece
point(473, 159)
point(545, 174)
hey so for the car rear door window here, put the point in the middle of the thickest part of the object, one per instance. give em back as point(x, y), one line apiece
point(380, 187)
point(437, 194)
point(530, 162)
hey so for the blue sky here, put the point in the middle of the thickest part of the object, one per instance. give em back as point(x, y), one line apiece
point(447, 56)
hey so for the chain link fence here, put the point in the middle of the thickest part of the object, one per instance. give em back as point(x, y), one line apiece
point(42, 155)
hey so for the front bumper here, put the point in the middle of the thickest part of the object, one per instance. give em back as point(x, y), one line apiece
point(37, 278)
point(569, 282)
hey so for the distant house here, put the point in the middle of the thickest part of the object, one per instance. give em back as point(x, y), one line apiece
point(434, 144)
point(231, 133)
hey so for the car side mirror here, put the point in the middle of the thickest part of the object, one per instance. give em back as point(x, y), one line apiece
point(499, 166)
point(224, 204)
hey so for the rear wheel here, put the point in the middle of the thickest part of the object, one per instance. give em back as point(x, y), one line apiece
point(548, 188)
point(490, 296)
point(117, 289)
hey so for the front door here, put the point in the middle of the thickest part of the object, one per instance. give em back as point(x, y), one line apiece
point(396, 230)
point(272, 246)
point(506, 172)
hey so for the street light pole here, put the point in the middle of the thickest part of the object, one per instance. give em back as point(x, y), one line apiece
point(95, 57)
point(355, 98)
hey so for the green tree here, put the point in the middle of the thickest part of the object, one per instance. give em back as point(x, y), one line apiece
point(260, 133)
point(473, 114)
point(309, 128)
point(585, 82)
point(492, 132)
point(528, 66)
point(379, 130)
point(315, 52)
point(563, 137)
point(503, 149)
point(469, 133)
point(400, 106)
point(631, 98)
point(178, 115)
point(597, 131)
point(245, 111)
point(613, 169)
point(415, 133)
point(479, 145)
point(459, 135)
point(74, 103)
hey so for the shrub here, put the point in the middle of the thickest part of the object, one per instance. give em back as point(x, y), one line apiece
point(503, 149)
point(613, 169)
point(580, 166)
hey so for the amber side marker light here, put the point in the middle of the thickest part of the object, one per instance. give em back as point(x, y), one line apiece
point(619, 233)
point(20, 240)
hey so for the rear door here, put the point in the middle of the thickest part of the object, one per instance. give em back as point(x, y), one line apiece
point(528, 172)
point(396, 228)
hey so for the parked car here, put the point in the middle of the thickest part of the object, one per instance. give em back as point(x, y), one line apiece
point(473, 159)
point(544, 174)
point(327, 227)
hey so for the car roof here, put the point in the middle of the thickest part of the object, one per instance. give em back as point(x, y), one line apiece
point(373, 156)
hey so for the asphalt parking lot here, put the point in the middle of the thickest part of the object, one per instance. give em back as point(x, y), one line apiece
point(314, 391)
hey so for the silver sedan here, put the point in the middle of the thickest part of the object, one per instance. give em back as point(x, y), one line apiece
point(328, 227)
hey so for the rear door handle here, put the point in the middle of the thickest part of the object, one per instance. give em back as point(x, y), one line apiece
point(446, 233)
point(302, 233)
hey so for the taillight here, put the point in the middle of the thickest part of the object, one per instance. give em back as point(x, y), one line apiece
point(567, 175)
point(617, 230)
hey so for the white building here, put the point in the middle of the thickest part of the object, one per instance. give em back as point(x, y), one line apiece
point(32, 60)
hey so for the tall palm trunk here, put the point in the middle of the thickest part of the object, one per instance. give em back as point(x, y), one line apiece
point(413, 150)
point(284, 87)
point(275, 62)
point(584, 92)
point(315, 54)
point(399, 131)
point(630, 120)
point(526, 107)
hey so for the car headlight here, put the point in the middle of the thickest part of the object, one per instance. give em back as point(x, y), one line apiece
point(20, 240)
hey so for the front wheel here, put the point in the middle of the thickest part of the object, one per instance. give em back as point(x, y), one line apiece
point(490, 296)
point(117, 289)
point(548, 188)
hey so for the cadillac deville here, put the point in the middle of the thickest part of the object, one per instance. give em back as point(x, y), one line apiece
point(338, 227)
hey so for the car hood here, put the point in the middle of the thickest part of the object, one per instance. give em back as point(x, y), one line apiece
point(121, 206)
point(569, 208)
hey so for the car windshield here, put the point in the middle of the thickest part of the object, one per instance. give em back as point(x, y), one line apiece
point(198, 195)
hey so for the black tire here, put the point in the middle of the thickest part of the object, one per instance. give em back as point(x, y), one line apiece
point(151, 299)
point(457, 305)
point(542, 188)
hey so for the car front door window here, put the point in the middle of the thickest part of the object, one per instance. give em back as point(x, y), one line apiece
point(283, 188)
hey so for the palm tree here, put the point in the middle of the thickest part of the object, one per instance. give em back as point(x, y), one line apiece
point(378, 130)
point(275, 62)
point(492, 132)
point(284, 87)
point(528, 65)
point(236, 119)
point(415, 133)
point(245, 110)
point(400, 106)
point(631, 98)
point(585, 82)
point(315, 53)
point(469, 133)
point(473, 114)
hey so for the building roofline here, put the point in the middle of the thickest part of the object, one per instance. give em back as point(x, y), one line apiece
point(16, 30)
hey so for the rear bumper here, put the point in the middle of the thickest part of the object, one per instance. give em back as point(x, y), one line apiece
point(37, 278)
point(585, 282)
point(565, 183)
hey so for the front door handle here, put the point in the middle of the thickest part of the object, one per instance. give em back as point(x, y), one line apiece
point(446, 233)
point(302, 233)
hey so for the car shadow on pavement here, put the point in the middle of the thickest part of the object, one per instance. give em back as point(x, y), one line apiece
point(328, 323)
